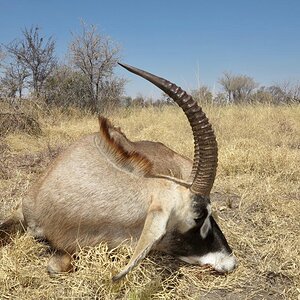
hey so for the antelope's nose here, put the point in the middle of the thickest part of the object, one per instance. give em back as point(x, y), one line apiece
point(225, 264)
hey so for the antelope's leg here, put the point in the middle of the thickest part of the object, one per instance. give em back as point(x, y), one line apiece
point(154, 229)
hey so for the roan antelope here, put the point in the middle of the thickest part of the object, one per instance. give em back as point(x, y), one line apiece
point(105, 188)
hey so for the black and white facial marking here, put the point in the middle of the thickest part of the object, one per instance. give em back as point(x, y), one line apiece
point(202, 208)
point(205, 242)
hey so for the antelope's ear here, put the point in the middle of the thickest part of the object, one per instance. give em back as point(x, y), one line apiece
point(153, 231)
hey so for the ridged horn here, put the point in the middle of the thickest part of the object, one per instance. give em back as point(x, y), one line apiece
point(205, 144)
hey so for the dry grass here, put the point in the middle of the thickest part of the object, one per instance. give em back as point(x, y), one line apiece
point(256, 197)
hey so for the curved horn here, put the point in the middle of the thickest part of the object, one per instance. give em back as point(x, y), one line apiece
point(205, 144)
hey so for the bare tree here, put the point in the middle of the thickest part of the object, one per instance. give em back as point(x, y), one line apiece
point(296, 92)
point(111, 91)
point(36, 55)
point(227, 83)
point(202, 95)
point(14, 78)
point(2, 55)
point(220, 98)
point(237, 87)
point(291, 90)
point(8, 87)
point(262, 95)
point(285, 92)
point(96, 56)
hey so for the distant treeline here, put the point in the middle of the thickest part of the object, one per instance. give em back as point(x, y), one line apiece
point(30, 69)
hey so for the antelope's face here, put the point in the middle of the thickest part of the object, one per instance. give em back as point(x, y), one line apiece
point(204, 243)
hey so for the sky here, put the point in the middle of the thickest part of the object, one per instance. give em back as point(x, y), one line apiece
point(189, 42)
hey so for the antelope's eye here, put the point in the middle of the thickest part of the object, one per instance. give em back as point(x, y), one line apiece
point(200, 219)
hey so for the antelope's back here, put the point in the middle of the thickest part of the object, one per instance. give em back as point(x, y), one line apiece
point(164, 160)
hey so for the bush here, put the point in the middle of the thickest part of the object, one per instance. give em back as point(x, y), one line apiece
point(67, 87)
point(18, 122)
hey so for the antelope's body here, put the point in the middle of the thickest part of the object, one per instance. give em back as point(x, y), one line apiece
point(78, 204)
point(105, 188)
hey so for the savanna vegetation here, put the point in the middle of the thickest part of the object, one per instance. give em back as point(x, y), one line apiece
point(255, 197)
point(29, 68)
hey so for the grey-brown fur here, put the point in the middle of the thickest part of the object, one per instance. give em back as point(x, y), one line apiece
point(165, 161)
